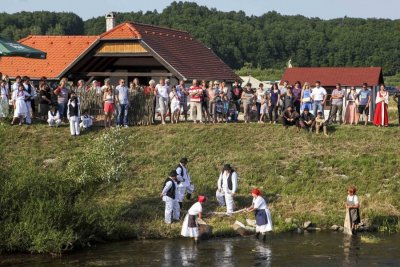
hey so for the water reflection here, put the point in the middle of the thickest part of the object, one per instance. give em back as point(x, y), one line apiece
point(263, 255)
point(351, 250)
point(225, 257)
point(180, 254)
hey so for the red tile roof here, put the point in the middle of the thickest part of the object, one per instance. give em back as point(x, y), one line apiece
point(178, 50)
point(351, 76)
point(122, 31)
point(186, 55)
point(61, 52)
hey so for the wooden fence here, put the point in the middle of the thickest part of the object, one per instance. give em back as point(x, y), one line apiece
point(140, 112)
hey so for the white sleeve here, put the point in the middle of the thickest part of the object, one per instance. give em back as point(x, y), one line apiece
point(234, 182)
point(257, 203)
point(179, 171)
point(355, 200)
point(167, 187)
point(49, 115)
point(219, 181)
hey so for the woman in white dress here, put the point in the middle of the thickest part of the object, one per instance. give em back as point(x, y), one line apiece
point(353, 208)
point(20, 109)
point(262, 214)
point(3, 99)
point(190, 226)
point(175, 98)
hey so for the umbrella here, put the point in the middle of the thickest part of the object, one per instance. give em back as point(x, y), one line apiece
point(10, 48)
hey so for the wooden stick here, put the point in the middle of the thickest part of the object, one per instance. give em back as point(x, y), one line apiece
point(225, 213)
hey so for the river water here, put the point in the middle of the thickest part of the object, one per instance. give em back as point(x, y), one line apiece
point(309, 249)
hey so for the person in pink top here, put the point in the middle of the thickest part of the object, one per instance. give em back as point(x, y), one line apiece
point(196, 94)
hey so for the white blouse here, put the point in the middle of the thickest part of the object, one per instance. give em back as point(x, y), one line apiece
point(195, 209)
point(352, 200)
point(259, 203)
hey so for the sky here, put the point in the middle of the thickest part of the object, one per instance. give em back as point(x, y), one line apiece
point(325, 9)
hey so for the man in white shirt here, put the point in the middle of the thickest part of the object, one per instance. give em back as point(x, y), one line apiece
point(169, 195)
point(318, 95)
point(184, 181)
point(28, 87)
point(227, 186)
point(122, 97)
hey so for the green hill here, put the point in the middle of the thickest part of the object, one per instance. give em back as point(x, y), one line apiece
point(58, 193)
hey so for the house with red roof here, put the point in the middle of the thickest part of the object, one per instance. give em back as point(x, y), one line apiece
point(126, 51)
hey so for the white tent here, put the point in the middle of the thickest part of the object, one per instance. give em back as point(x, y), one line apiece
point(254, 82)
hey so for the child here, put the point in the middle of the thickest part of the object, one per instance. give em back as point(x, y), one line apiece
point(175, 98)
point(20, 110)
point(87, 120)
point(263, 109)
point(353, 207)
point(73, 114)
point(53, 117)
point(226, 107)
point(232, 112)
point(320, 122)
point(190, 226)
point(219, 108)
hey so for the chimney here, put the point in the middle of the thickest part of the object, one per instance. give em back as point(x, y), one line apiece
point(110, 21)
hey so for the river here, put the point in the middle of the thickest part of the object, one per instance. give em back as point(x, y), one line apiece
point(309, 249)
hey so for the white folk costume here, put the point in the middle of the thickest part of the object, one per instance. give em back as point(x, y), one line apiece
point(190, 226)
point(353, 212)
point(263, 215)
point(227, 185)
point(31, 91)
point(170, 197)
point(73, 115)
point(20, 105)
point(87, 121)
point(53, 118)
point(3, 102)
point(381, 111)
point(184, 182)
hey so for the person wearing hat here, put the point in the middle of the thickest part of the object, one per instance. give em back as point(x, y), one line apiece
point(262, 214)
point(169, 195)
point(190, 226)
point(183, 180)
point(227, 186)
point(74, 114)
point(53, 117)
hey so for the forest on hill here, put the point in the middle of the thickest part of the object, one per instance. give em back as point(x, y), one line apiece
point(266, 41)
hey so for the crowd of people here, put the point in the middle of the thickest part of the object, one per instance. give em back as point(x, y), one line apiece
point(178, 185)
point(297, 105)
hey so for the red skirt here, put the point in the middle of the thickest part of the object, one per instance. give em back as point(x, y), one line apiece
point(381, 114)
point(109, 107)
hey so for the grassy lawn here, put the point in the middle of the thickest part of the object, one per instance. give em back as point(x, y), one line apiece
point(303, 176)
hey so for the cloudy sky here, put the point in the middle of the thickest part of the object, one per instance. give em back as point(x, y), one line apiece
point(325, 9)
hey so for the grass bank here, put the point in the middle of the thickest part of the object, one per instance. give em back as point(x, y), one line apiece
point(58, 193)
